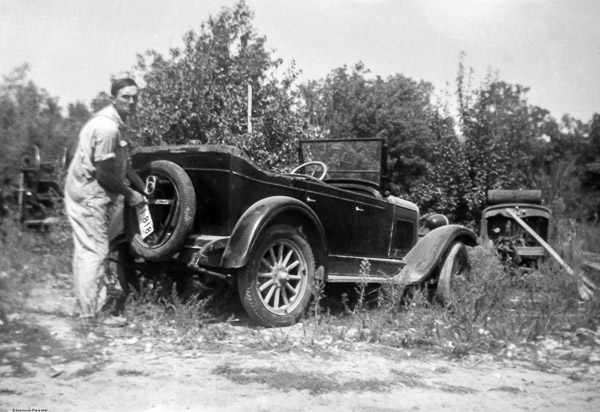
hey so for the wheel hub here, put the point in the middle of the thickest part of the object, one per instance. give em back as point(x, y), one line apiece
point(280, 276)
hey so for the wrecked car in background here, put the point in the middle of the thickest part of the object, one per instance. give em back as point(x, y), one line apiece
point(215, 213)
point(38, 193)
point(516, 225)
point(512, 242)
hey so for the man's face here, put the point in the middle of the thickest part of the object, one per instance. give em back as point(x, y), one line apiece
point(126, 100)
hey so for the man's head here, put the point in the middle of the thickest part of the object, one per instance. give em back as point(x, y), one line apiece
point(124, 96)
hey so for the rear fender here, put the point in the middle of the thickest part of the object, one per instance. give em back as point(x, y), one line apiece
point(425, 257)
point(255, 219)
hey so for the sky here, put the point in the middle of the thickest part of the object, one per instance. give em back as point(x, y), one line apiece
point(550, 46)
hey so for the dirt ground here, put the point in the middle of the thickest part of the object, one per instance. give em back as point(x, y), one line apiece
point(49, 362)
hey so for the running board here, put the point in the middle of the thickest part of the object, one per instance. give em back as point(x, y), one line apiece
point(344, 269)
point(360, 279)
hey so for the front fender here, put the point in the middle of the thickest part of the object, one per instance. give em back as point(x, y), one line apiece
point(425, 257)
point(257, 217)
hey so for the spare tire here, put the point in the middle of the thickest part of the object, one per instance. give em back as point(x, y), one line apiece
point(172, 206)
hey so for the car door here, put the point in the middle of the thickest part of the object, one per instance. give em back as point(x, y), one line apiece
point(336, 213)
point(371, 227)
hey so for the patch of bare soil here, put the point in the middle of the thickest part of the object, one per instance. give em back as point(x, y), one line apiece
point(50, 362)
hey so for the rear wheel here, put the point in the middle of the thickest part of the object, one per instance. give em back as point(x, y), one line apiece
point(456, 264)
point(276, 284)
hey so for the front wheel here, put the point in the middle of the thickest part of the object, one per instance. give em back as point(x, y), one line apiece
point(276, 284)
point(456, 264)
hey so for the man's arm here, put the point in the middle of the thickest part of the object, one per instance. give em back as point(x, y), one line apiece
point(105, 173)
point(136, 180)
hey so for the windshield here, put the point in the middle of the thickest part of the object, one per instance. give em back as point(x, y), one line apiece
point(346, 159)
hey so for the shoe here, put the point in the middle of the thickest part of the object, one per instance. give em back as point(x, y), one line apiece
point(111, 321)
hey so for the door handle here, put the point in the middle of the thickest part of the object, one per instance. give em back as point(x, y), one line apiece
point(359, 209)
point(309, 200)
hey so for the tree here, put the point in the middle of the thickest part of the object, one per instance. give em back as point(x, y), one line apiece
point(78, 114)
point(348, 104)
point(505, 139)
point(199, 92)
point(590, 164)
point(100, 102)
point(28, 116)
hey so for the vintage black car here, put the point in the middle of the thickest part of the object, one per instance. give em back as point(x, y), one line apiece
point(216, 213)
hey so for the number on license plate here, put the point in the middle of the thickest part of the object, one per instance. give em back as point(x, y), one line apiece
point(145, 221)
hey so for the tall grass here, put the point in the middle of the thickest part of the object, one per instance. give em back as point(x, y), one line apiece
point(487, 311)
point(491, 308)
point(28, 258)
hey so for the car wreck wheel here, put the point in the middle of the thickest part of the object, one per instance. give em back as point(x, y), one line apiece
point(455, 264)
point(276, 284)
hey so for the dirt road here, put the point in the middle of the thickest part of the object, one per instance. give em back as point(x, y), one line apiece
point(48, 362)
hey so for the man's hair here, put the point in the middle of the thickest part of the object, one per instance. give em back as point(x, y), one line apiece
point(119, 84)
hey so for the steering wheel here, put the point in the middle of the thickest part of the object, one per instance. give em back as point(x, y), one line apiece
point(316, 166)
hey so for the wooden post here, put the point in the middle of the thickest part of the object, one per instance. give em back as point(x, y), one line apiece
point(249, 108)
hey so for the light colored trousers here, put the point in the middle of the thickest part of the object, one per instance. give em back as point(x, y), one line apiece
point(89, 219)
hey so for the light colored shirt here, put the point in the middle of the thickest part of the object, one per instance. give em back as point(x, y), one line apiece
point(103, 137)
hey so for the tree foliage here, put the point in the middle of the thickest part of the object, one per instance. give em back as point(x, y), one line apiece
point(504, 142)
point(589, 162)
point(349, 104)
point(29, 117)
point(199, 92)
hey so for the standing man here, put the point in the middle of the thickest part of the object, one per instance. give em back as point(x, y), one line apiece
point(97, 176)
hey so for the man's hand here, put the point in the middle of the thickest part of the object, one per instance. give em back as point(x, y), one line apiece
point(134, 198)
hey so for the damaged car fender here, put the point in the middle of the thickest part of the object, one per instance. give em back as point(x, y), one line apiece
point(263, 214)
point(423, 260)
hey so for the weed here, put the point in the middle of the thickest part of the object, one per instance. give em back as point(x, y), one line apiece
point(488, 308)
point(590, 234)
point(316, 309)
point(30, 258)
point(170, 317)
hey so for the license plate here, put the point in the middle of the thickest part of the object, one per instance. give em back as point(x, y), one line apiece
point(145, 221)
